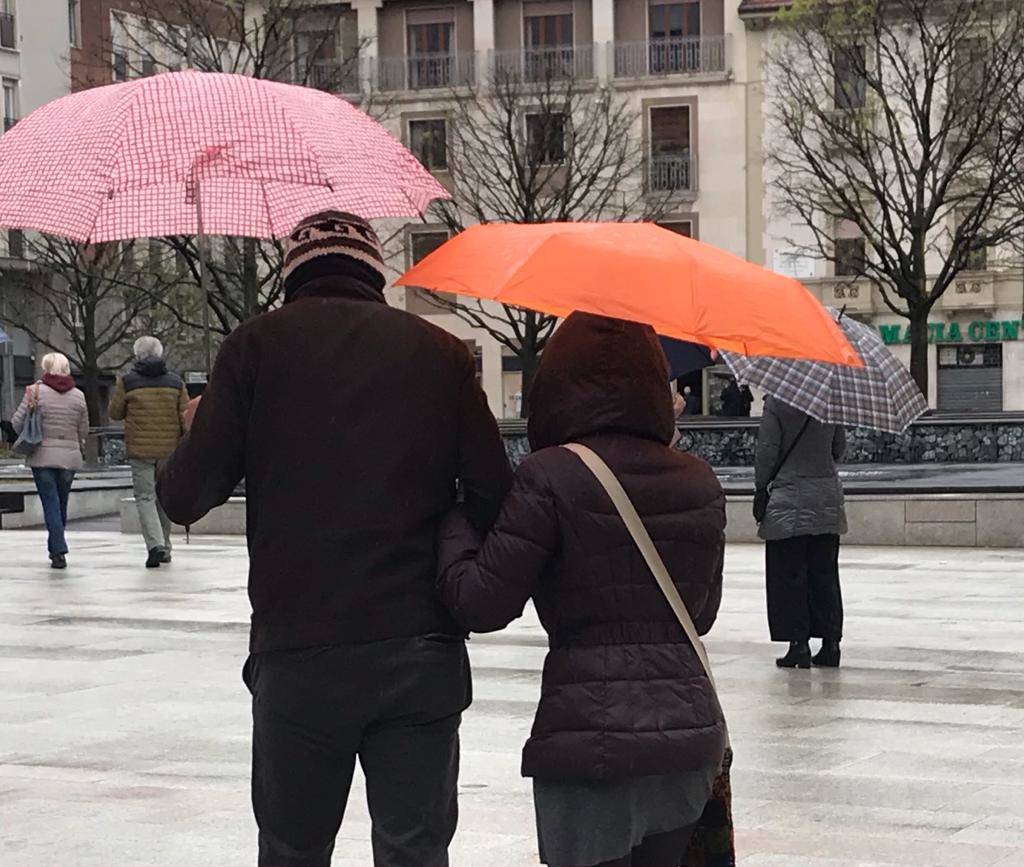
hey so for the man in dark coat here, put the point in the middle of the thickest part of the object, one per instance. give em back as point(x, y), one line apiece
point(353, 424)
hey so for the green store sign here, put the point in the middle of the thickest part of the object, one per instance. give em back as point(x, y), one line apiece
point(983, 331)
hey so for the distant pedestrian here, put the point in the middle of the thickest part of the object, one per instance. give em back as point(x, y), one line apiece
point(151, 401)
point(352, 655)
point(64, 419)
point(804, 518)
point(629, 734)
point(692, 402)
point(736, 400)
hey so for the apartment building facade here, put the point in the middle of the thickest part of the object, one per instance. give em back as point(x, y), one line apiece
point(681, 64)
point(976, 336)
point(36, 41)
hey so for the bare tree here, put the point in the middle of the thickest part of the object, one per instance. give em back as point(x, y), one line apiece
point(899, 121)
point(92, 302)
point(536, 145)
point(299, 41)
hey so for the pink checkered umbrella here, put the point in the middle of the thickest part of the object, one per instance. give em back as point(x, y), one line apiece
point(197, 153)
point(135, 159)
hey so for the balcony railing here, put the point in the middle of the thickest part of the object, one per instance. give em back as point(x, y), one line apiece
point(544, 64)
point(426, 71)
point(333, 76)
point(8, 36)
point(690, 55)
point(671, 173)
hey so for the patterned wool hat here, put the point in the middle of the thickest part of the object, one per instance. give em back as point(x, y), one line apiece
point(348, 240)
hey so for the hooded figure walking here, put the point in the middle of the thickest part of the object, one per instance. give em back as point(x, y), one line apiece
point(352, 655)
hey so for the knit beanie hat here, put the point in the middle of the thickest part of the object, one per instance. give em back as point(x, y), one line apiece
point(333, 243)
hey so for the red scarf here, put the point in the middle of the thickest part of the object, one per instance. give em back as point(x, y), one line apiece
point(59, 382)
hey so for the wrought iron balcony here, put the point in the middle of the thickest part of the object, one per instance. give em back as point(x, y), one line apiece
point(689, 55)
point(426, 71)
point(671, 173)
point(542, 64)
point(333, 76)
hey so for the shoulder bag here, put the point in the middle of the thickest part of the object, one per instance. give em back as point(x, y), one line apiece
point(31, 435)
point(713, 841)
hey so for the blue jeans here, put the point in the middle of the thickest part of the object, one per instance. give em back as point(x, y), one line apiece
point(54, 487)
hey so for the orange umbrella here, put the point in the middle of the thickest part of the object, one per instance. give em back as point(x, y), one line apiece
point(640, 272)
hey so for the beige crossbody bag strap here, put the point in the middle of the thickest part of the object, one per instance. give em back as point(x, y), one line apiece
point(626, 509)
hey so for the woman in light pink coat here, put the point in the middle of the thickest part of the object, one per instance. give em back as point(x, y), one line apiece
point(65, 424)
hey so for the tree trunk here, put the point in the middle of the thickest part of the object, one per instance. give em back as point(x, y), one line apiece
point(250, 279)
point(91, 388)
point(919, 345)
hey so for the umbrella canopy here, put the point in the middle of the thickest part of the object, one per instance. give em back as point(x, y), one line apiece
point(639, 272)
point(685, 357)
point(126, 160)
point(881, 395)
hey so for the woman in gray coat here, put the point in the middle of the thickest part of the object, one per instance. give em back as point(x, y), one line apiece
point(65, 423)
point(796, 460)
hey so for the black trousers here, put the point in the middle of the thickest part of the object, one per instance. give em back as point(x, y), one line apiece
point(396, 706)
point(804, 598)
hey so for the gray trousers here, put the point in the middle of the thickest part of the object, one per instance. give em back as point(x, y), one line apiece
point(156, 526)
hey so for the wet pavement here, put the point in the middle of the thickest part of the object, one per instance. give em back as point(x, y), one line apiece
point(124, 726)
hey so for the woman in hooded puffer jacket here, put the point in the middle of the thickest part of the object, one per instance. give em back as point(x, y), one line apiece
point(65, 422)
point(629, 734)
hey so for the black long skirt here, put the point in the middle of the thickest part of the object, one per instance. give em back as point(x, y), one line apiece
point(804, 597)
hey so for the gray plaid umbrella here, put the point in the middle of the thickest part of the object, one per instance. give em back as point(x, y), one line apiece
point(881, 395)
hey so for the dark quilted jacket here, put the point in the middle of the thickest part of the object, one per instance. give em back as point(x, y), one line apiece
point(623, 692)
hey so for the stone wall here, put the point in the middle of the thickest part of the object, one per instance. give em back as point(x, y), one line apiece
point(936, 440)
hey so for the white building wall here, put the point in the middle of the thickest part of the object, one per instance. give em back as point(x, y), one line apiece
point(45, 52)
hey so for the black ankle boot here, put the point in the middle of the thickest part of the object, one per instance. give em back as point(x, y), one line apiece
point(799, 656)
point(828, 656)
point(58, 561)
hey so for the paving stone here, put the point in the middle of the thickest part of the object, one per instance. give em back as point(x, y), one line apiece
point(124, 725)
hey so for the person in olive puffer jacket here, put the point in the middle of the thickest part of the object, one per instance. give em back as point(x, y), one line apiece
point(629, 733)
point(151, 401)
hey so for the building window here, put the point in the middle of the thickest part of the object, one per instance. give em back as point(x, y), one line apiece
point(971, 61)
point(10, 102)
point(976, 259)
point(428, 140)
point(849, 72)
point(75, 23)
point(119, 64)
point(851, 257)
point(670, 149)
point(8, 32)
point(674, 36)
point(545, 139)
point(680, 227)
point(430, 34)
point(316, 58)
point(422, 244)
point(548, 40)
point(16, 243)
